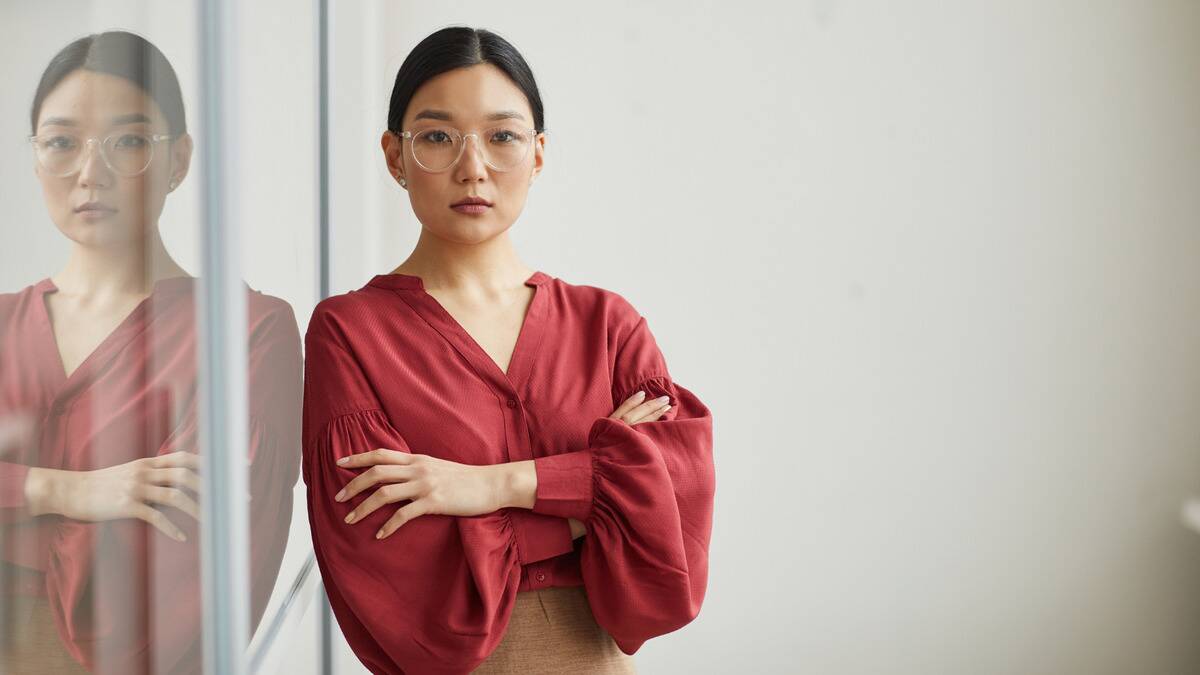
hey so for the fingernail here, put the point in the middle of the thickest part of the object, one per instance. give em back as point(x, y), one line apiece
point(663, 399)
point(666, 408)
point(338, 497)
point(343, 460)
point(350, 516)
point(379, 534)
point(180, 537)
point(640, 394)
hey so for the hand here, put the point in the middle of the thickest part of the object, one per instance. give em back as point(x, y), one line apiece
point(577, 528)
point(121, 491)
point(635, 411)
point(432, 484)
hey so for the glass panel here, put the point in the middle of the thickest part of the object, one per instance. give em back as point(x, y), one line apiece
point(101, 400)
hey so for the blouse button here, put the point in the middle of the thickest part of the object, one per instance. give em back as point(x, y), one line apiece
point(541, 576)
point(512, 403)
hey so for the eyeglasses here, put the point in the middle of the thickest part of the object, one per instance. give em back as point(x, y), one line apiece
point(439, 148)
point(127, 154)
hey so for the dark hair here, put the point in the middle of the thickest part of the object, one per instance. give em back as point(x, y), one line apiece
point(460, 47)
point(124, 55)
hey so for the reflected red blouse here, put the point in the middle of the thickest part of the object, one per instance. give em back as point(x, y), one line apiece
point(125, 597)
point(388, 367)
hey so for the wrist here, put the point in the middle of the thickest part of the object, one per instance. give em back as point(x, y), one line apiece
point(39, 490)
point(517, 484)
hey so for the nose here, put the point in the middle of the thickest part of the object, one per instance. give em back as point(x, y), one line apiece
point(93, 171)
point(471, 166)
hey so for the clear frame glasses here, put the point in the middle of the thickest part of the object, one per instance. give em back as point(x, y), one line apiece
point(436, 149)
point(126, 153)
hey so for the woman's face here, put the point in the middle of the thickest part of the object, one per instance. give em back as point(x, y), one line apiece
point(464, 99)
point(96, 206)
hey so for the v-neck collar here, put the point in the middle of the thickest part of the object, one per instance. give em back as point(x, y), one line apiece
point(132, 325)
point(408, 282)
point(412, 290)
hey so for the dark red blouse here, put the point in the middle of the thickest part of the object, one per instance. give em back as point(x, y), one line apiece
point(387, 367)
point(125, 597)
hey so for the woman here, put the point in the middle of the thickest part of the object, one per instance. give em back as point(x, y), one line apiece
point(98, 487)
point(475, 499)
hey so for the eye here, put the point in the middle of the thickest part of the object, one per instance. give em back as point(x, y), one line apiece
point(131, 142)
point(508, 137)
point(59, 143)
point(436, 137)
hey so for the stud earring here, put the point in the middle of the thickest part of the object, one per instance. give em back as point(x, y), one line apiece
point(403, 183)
point(173, 184)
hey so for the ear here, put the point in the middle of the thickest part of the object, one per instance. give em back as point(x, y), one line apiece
point(539, 155)
point(393, 155)
point(181, 158)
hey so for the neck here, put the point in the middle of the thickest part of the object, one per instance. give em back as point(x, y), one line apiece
point(119, 269)
point(442, 264)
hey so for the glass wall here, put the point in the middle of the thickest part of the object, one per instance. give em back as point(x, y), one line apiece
point(160, 262)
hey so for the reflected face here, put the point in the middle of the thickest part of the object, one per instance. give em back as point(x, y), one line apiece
point(472, 100)
point(97, 205)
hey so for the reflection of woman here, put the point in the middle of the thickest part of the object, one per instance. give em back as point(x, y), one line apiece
point(475, 499)
point(99, 506)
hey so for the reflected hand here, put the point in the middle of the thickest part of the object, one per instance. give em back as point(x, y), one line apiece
point(121, 491)
point(432, 484)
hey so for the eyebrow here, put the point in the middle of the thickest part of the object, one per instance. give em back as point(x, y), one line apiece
point(446, 117)
point(119, 120)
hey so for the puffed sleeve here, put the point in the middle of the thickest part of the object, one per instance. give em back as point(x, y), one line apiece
point(645, 495)
point(436, 595)
point(12, 492)
point(125, 597)
point(16, 440)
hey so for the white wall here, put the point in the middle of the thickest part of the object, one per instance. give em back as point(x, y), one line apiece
point(933, 268)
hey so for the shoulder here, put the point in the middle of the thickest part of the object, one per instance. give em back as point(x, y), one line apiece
point(17, 303)
point(609, 306)
point(268, 314)
point(338, 316)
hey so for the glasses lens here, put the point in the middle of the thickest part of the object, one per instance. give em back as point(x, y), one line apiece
point(503, 147)
point(128, 153)
point(436, 149)
point(58, 154)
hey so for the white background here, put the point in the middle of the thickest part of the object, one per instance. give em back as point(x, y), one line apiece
point(934, 268)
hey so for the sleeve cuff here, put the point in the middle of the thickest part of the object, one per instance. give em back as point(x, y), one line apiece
point(565, 485)
point(540, 537)
point(12, 485)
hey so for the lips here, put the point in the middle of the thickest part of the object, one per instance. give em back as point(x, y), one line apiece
point(471, 201)
point(94, 207)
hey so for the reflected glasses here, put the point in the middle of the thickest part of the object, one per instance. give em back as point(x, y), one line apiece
point(439, 148)
point(126, 154)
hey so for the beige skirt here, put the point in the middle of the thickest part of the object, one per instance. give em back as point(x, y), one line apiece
point(552, 630)
point(29, 641)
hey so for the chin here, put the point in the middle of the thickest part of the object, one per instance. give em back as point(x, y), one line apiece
point(468, 230)
point(100, 234)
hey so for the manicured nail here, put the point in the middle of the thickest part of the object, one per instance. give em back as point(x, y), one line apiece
point(343, 460)
point(666, 408)
point(663, 399)
point(379, 534)
point(339, 496)
point(179, 536)
point(640, 395)
point(350, 516)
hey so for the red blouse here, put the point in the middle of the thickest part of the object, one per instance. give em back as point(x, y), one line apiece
point(387, 366)
point(125, 597)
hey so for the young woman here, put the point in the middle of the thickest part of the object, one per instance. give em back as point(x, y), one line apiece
point(98, 477)
point(476, 502)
